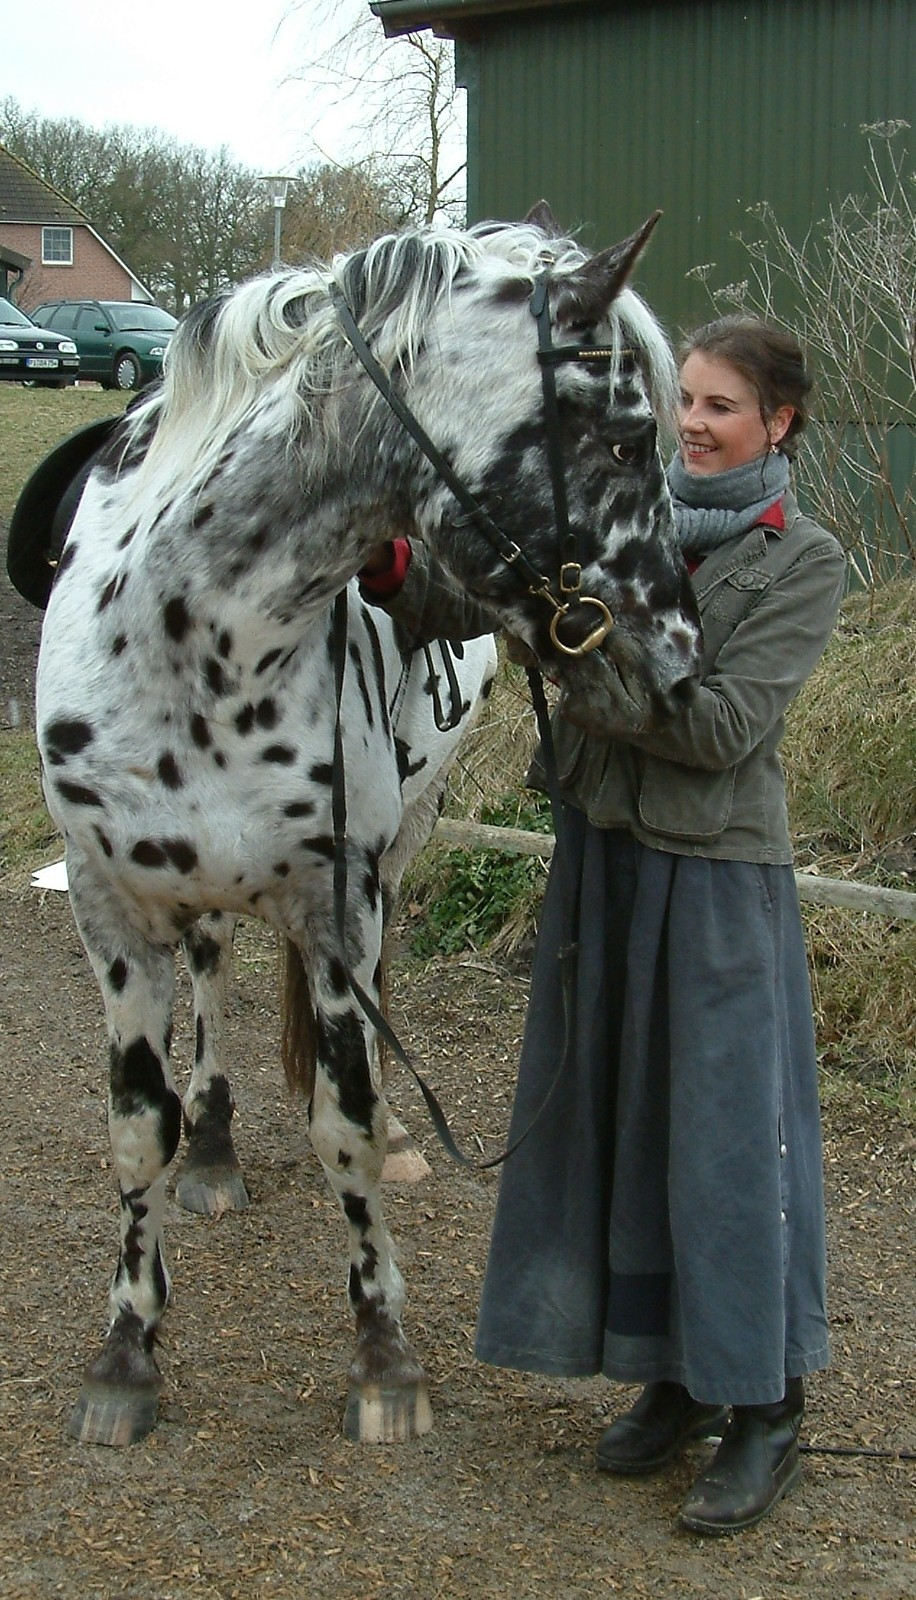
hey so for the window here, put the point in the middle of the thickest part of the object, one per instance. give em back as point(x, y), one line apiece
point(64, 317)
point(57, 247)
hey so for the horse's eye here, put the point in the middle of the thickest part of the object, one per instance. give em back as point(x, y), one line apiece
point(626, 454)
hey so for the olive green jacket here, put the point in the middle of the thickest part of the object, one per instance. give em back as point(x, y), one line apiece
point(710, 782)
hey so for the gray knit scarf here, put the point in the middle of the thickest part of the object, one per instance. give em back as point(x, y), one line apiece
point(710, 511)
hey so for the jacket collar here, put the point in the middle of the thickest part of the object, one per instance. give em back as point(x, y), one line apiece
point(744, 551)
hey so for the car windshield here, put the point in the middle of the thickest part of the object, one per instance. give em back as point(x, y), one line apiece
point(141, 318)
point(12, 315)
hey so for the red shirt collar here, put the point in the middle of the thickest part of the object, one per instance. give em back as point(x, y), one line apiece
point(773, 517)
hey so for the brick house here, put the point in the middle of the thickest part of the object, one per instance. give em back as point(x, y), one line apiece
point(49, 249)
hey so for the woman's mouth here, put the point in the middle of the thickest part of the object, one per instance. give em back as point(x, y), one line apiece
point(697, 452)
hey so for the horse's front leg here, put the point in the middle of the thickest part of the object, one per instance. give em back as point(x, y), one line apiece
point(388, 1396)
point(210, 1178)
point(120, 1393)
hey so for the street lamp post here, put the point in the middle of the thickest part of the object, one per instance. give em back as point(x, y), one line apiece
point(278, 191)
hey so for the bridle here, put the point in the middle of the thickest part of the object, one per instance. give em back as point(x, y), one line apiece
point(550, 356)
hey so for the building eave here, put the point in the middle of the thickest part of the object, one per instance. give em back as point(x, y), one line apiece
point(453, 18)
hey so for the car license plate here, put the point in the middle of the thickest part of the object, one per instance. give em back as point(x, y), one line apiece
point(41, 361)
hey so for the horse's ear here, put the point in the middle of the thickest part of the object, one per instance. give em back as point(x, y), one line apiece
point(584, 296)
point(541, 216)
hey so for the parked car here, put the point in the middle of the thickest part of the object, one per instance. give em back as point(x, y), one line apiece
point(33, 353)
point(121, 343)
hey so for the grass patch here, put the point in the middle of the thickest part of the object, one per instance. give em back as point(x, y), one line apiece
point(850, 748)
point(33, 421)
point(28, 837)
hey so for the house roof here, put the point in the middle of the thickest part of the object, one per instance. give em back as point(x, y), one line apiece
point(24, 197)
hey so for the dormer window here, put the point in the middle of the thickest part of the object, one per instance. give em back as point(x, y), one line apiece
point(57, 247)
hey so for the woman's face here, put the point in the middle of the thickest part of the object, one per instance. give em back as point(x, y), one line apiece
point(719, 421)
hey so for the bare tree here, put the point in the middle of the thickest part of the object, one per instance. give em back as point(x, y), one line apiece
point(333, 208)
point(848, 291)
point(187, 221)
point(401, 100)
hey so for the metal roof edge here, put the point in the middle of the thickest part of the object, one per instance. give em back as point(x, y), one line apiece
point(451, 17)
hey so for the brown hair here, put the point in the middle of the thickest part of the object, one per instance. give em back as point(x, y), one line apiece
point(770, 360)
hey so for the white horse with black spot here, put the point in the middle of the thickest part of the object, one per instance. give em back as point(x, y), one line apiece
point(196, 711)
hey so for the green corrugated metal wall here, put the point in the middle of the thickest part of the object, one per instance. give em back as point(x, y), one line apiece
point(701, 107)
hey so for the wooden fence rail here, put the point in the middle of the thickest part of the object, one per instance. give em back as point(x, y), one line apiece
point(896, 903)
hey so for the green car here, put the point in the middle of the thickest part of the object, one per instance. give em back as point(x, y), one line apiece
point(121, 343)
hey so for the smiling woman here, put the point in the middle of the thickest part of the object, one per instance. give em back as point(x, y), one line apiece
point(721, 421)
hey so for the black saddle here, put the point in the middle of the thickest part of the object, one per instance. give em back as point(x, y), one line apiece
point(46, 507)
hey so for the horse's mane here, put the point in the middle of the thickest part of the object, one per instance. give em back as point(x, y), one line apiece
point(274, 345)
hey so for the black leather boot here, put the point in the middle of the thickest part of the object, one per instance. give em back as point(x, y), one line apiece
point(664, 1418)
point(754, 1466)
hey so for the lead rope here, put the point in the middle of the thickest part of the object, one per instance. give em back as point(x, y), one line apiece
point(365, 1001)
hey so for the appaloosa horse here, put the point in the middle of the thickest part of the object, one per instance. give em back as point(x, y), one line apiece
point(200, 713)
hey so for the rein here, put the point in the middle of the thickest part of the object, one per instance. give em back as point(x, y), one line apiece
point(379, 1022)
point(549, 356)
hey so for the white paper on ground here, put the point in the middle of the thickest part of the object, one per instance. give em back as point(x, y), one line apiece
point(52, 877)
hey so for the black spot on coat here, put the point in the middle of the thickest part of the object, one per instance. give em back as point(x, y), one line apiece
point(176, 619)
point(66, 738)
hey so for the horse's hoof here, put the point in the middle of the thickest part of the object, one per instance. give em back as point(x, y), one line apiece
point(212, 1190)
point(112, 1415)
point(387, 1413)
point(404, 1162)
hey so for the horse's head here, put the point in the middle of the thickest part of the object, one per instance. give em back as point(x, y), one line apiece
point(557, 445)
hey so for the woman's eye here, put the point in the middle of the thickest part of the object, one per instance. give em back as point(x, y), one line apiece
point(626, 454)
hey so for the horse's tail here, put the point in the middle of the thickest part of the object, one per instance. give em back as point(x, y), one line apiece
point(298, 1023)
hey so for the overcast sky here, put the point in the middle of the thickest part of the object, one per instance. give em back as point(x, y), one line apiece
point(208, 72)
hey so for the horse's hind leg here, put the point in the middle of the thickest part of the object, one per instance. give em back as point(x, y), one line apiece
point(210, 1178)
point(388, 1396)
point(119, 1397)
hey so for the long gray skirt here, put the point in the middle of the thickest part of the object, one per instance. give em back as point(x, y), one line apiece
point(665, 1219)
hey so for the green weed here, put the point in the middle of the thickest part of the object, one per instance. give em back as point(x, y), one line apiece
point(475, 899)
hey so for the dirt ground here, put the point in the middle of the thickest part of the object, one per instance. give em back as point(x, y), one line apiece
point(247, 1488)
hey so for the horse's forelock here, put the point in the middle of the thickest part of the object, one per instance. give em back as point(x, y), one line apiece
point(643, 332)
point(527, 250)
